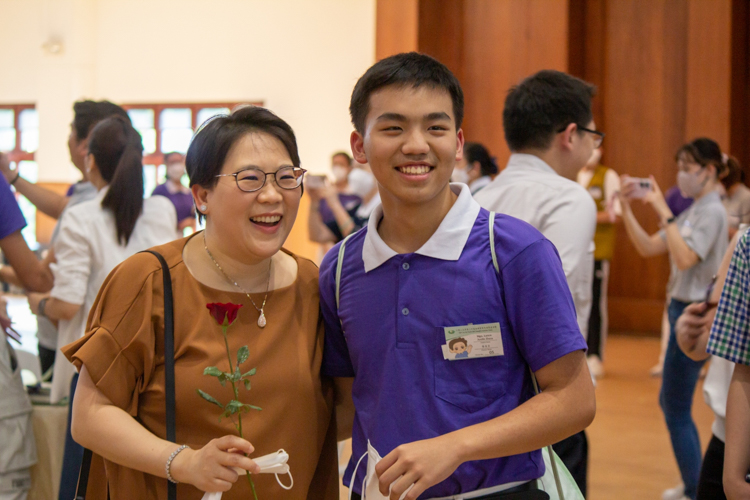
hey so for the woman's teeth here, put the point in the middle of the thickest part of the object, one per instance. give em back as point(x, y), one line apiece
point(415, 170)
point(266, 219)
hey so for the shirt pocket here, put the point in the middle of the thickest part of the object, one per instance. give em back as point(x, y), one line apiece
point(470, 384)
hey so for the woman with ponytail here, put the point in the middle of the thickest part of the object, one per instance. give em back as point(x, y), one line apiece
point(695, 241)
point(95, 236)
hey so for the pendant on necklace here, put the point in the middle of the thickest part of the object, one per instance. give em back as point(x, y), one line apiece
point(262, 319)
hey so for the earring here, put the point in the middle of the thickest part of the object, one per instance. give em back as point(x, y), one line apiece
point(203, 208)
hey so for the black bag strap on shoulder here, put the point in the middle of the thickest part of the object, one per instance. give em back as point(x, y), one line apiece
point(83, 478)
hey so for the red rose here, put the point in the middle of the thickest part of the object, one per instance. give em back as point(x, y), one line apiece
point(221, 311)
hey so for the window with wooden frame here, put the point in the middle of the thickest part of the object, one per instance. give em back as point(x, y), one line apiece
point(19, 139)
point(167, 128)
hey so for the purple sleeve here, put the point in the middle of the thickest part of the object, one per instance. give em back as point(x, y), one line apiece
point(160, 190)
point(336, 360)
point(539, 305)
point(11, 218)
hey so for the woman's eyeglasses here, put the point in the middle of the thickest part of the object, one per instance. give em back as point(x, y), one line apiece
point(252, 179)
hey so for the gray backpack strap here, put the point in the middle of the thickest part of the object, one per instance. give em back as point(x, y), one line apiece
point(339, 266)
point(533, 377)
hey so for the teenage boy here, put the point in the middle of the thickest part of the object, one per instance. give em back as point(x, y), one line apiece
point(550, 131)
point(422, 273)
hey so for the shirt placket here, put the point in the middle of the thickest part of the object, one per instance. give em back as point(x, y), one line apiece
point(405, 300)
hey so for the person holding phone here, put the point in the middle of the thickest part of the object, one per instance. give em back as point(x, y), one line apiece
point(695, 242)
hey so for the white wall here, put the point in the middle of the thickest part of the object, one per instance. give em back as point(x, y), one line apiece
point(300, 57)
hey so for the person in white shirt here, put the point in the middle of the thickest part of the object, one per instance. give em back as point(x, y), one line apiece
point(477, 168)
point(549, 128)
point(95, 236)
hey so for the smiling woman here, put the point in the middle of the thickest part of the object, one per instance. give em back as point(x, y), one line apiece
point(246, 180)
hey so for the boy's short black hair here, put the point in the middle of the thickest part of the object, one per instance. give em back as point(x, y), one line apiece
point(543, 104)
point(406, 69)
point(86, 114)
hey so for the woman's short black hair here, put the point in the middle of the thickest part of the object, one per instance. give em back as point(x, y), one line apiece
point(410, 69)
point(541, 105)
point(212, 142)
point(474, 151)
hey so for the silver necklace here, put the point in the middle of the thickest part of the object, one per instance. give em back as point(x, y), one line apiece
point(262, 317)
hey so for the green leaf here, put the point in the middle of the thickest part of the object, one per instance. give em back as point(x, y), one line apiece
point(233, 407)
point(209, 398)
point(223, 379)
point(212, 371)
point(249, 374)
point(252, 407)
point(247, 384)
point(237, 374)
point(242, 355)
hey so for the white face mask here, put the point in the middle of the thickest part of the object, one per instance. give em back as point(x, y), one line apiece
point(460, 175)
point(175, 171)
point(370, 486)
point(361, 182)
point(689, 184)
point(339, 173)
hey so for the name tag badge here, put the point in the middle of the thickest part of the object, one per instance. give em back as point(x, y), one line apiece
point(472, 341)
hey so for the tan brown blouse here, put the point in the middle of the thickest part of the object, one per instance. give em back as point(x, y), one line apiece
point(124, 353)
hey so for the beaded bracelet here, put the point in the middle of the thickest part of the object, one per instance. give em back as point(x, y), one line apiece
point(169, 462)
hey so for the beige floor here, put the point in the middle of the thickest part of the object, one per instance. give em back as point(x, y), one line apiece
point(630, 455)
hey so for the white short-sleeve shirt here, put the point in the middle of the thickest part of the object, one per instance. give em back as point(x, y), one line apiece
point(560, 209)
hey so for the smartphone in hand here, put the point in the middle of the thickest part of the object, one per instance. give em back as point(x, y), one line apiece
point(315, 181)
point(642, 187)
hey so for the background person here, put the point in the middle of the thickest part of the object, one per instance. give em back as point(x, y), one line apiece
point(736, 199)
point(176, 192)
point(695, 241)
point(477, 168)
point(538, 186)
point(246, 179)
point(602, 183)
point(692, 329)
point(86, 114)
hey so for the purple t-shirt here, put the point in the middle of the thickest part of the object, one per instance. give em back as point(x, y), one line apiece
point(183, 202)
point(676, 202)
point(404, 390)
point(11, 218)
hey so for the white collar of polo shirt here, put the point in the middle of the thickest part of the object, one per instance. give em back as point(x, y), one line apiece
point(446, 243)
point(529, 162)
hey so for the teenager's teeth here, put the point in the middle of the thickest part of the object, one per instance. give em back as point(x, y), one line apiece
point(267, 220)
point(418, 170)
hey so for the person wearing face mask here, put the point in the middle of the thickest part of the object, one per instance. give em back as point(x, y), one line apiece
point(362, 183)
point(695, 241)
point(477, 168)
point(178, 194)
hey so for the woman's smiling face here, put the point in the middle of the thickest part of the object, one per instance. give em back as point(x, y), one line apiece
point(252, 227)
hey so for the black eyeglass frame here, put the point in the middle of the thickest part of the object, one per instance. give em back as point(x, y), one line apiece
point(265, 177)
point(600, 135)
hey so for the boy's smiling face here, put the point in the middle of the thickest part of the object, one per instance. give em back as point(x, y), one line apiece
point(410, 141)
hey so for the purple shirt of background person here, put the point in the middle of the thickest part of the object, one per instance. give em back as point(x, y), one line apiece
point(11, 218)
point(676, 202)
point(183, 202)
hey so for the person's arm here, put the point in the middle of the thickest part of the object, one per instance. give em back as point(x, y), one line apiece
point(316, 228)
point(344, 407)
point(30, 271)
point(54, 309)
point(343, 220)
point(693, 327)
point(45, 200)
point(646, 245)
point(565, 406)
point(111, 432)
point(737, 451)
